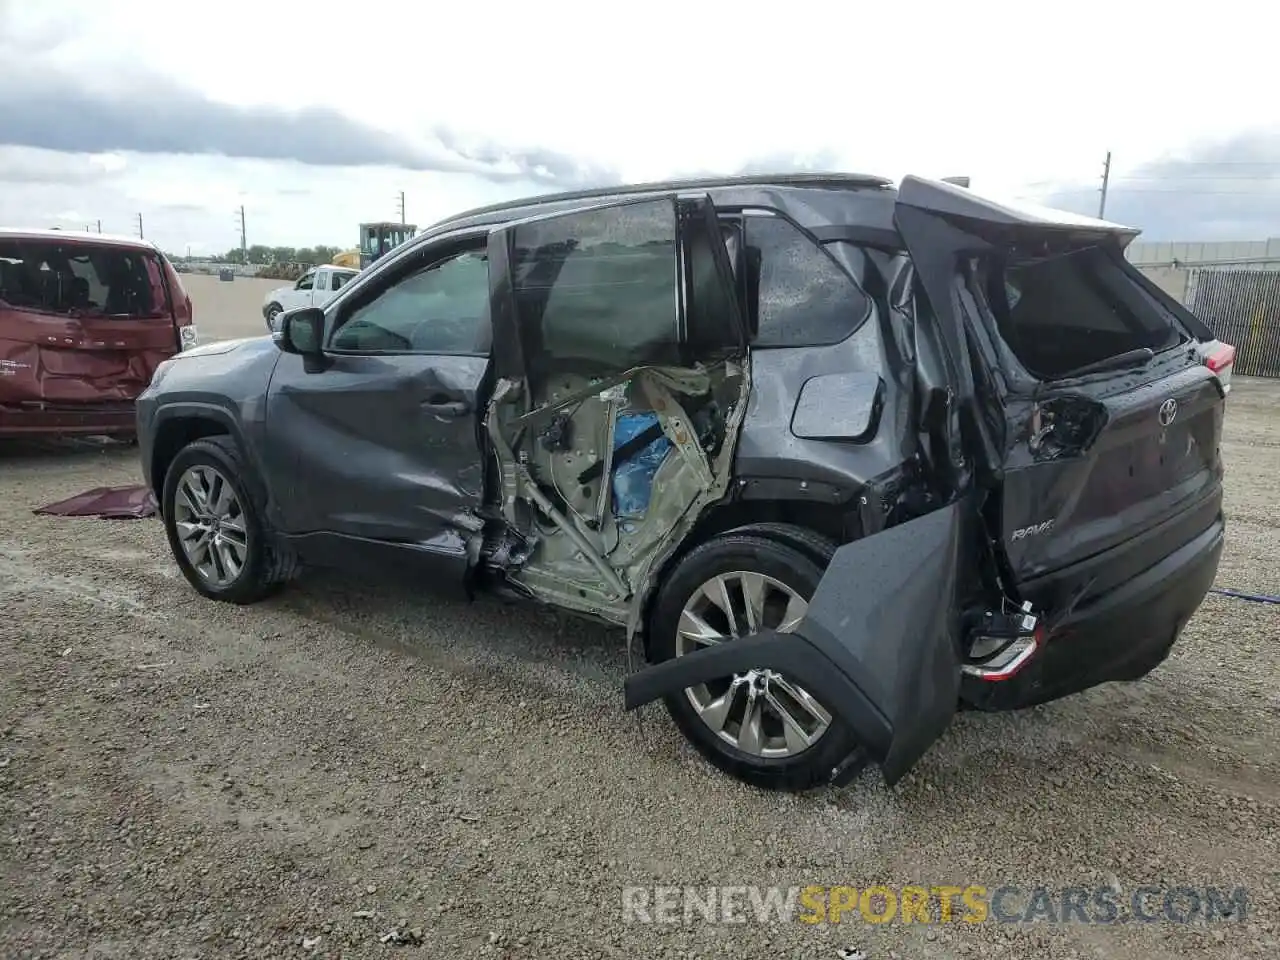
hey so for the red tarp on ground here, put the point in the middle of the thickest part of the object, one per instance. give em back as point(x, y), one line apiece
point(109, 503)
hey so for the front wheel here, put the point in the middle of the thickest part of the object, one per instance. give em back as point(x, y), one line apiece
point(758, 726)
point(214, 524)
point(273, 316)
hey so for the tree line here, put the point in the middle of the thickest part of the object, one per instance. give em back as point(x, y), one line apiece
point(261, 255)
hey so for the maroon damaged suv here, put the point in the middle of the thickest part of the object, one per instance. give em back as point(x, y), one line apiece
point(85, 319)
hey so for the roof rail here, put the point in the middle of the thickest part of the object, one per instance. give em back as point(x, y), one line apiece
point(835, 180)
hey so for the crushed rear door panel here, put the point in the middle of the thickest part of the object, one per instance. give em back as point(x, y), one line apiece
point(879, 645)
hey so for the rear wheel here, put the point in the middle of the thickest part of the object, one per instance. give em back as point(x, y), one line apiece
point(213, 518)
point(759, 725)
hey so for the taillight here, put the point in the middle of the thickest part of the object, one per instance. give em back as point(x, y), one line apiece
point(1222, 358)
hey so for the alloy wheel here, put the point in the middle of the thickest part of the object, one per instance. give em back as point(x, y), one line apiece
point(760, 712)
point(211, 525)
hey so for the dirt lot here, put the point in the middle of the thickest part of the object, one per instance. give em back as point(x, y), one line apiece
point(185, 779)
point(228, 309)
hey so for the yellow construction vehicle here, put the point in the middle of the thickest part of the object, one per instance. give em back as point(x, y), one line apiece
point(348, 258)
point(378, 238)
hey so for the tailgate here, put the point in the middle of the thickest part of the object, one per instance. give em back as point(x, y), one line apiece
point(1087, 404)
point(58, 360)
point(1098, 466)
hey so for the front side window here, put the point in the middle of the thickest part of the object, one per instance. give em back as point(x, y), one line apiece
point(306, 281)
point(597, 291)
point(440, 308)
point(805, 298)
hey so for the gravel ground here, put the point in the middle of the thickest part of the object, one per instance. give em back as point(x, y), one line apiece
point(301, 778)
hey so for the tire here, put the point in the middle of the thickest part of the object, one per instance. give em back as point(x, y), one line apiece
point(273, 312)
point(265, 567)
point(792, 558)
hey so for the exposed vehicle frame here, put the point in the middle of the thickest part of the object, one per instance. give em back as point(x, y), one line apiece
point(921, 514)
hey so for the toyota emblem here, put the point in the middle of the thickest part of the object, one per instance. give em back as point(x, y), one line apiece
point(1168, 412)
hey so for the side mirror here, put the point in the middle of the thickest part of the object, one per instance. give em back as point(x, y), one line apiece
point(302, 332)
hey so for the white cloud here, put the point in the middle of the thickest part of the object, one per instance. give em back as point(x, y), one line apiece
point(1019, 96)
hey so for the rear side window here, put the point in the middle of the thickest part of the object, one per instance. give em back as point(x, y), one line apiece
point(805, 298)
point(81, 280)
point(596, 291)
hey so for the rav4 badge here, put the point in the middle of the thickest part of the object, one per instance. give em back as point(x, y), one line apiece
point(1032, 531)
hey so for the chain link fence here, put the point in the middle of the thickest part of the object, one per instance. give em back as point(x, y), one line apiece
point(1241, 307)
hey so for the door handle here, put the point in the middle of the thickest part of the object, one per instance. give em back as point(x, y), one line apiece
point(444, 407)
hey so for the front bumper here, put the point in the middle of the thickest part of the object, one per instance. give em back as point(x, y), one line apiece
point(1123, 634)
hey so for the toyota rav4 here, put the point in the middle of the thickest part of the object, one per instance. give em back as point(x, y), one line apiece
point(843, 457)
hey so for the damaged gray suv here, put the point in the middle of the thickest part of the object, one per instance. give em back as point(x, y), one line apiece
point(844, 457)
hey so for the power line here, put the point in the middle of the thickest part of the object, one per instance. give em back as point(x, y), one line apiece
point(1174, 192)
point(1174, 177)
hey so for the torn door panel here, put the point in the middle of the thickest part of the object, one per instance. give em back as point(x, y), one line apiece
point(620, 394)
point(601, 481)
point(879, 646)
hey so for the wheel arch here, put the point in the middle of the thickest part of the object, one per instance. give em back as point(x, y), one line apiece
point(814, 529)
point(178, 426)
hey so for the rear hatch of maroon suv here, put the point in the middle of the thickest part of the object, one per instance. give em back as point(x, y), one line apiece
point(84, 322)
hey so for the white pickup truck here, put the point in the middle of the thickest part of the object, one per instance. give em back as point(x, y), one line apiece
point(314, 288)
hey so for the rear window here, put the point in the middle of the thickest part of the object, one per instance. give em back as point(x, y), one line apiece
point(1066, 311)
point(81, 280)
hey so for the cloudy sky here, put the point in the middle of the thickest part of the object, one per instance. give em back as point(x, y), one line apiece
point(316, 116)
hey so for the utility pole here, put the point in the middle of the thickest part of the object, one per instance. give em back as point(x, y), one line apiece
point(244, 242)
point(140, 237)
point(400, 203)
point(99, 226)
point(1106, 181)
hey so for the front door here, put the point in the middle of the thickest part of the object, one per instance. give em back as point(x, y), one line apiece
point(320, 289)
point(300, 296)
point(380, 448)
